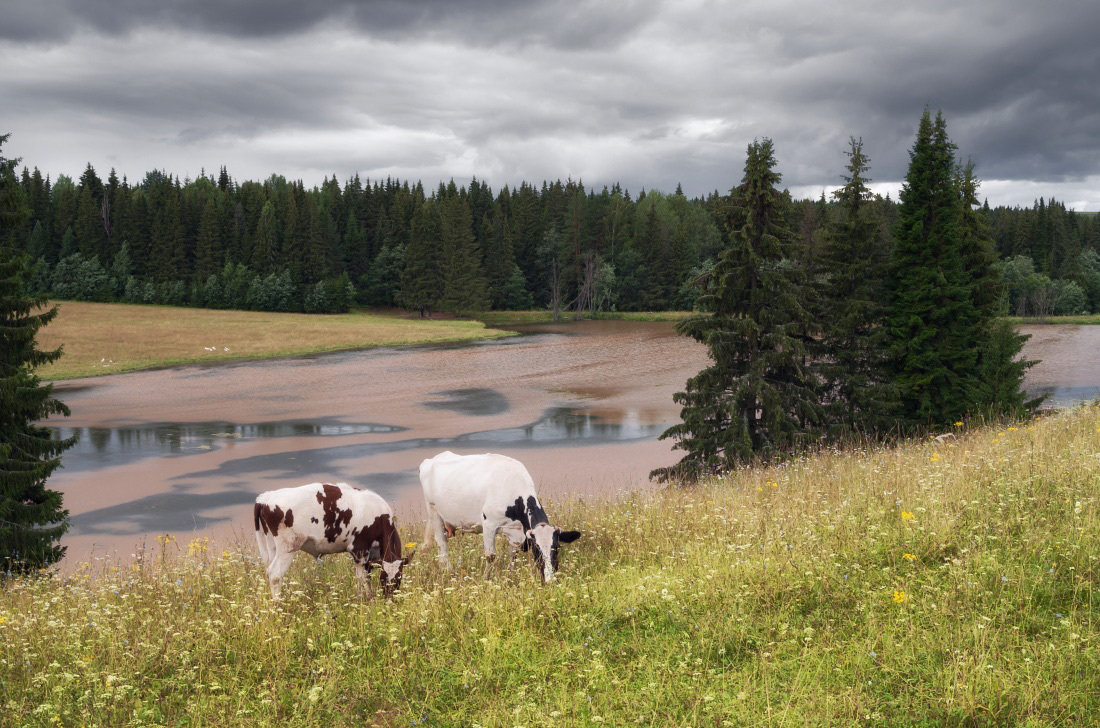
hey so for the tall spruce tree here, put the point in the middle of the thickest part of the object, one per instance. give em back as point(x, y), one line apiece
point(31, 517)
point(757, 400)
point(998, 384)
point(464, 286)
point(932, 321)
point(853, 365)
point(422, 277)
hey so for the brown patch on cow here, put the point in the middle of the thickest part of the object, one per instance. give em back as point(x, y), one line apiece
point(289, 520)
point(270, 518)
point(335, 519)
point(384, 533)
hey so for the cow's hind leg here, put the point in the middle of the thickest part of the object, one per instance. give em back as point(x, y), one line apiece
point(263, 544)
point(435, 528)
point(278, 567)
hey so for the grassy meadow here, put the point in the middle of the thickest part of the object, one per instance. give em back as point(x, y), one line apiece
point(938, 583)
point(107, 338)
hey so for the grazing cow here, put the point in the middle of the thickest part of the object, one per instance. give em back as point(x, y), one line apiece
point(329, 519)
point(489, 493)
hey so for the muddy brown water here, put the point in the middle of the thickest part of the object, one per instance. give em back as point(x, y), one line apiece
point(185, 451)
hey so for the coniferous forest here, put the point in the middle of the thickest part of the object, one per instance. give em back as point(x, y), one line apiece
point(275, 245)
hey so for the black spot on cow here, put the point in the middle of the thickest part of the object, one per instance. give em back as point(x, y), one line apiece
point(313, 519)
point(269, 519)
point(289, 519)
point(335, 519)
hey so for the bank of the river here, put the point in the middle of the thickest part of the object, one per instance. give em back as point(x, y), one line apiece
point(1082, 320)
point(503, 318)
point(939, 583)
point(107, 338)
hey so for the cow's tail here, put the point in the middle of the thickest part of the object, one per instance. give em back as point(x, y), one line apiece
point(264, 541)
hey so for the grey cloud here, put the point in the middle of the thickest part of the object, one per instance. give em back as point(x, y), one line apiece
point(485, 22)
point(646, 93)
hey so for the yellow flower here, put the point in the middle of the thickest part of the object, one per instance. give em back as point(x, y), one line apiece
point(1011, 429)
point(935, 457)
point(900, 597)
point(3, 620)
point(410, 545)
point(909, 557)
point(958, 424)
point(906, 515)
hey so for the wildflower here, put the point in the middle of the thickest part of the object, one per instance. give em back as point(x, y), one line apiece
point(1011, 429)
point(935, 457)
point(900, 597)
point(909, 557)
point(907, 515)
point(958, 424)
point(410, 545)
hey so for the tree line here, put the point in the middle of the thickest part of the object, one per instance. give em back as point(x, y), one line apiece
point(276, 245)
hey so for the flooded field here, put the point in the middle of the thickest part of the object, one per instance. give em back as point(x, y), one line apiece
point(186, 450)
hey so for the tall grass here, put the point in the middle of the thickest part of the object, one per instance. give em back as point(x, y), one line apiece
point(935, 583)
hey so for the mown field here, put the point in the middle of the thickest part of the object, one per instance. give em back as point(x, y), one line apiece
point(939, 583)
point(107, 338)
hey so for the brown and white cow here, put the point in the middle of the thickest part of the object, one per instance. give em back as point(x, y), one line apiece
point(320, 519)
point(489, 493)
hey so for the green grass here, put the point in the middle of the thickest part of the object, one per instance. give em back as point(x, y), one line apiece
point(938, 583)
point(108, 338)
point(1085, 319)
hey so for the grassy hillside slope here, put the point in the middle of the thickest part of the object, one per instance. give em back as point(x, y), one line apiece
point(107, 338)
point(936, 583)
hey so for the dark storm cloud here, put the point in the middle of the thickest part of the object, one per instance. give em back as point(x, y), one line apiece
point(646, 93)
point(515, 22)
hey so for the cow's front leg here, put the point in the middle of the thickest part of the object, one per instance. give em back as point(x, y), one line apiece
point(362, 578)
point(489, 539)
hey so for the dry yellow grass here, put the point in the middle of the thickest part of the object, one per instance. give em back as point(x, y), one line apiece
point(107, 338)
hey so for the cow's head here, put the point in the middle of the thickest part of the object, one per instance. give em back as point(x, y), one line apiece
point(391, 574)
point(544, 540)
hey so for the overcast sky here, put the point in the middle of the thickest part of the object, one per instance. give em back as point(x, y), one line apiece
point(643, 92)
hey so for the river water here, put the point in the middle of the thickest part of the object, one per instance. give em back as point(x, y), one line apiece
point(185, 450)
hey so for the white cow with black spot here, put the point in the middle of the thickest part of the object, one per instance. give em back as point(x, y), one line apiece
point(320, 519)
point(488, 494)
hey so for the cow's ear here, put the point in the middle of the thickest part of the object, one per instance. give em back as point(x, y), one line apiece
point(568, 536)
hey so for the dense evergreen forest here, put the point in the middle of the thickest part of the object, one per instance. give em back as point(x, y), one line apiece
point(275, 245)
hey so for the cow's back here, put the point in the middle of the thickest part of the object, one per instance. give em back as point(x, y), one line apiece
point(463, 487)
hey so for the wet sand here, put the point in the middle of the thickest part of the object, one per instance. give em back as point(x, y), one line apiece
point(185, 451)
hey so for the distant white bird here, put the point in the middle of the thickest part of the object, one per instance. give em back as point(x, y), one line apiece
point(227, 348)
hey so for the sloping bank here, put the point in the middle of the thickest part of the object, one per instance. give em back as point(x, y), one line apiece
point(939, 582)
point(107, 338)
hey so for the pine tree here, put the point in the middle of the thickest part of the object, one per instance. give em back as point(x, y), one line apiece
point(854, 368)
point(31, 517)
point(999, 374)
point(932, 321)
point(422, 277)
point(757, 400)
point(209, 250)
point(464, 287)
